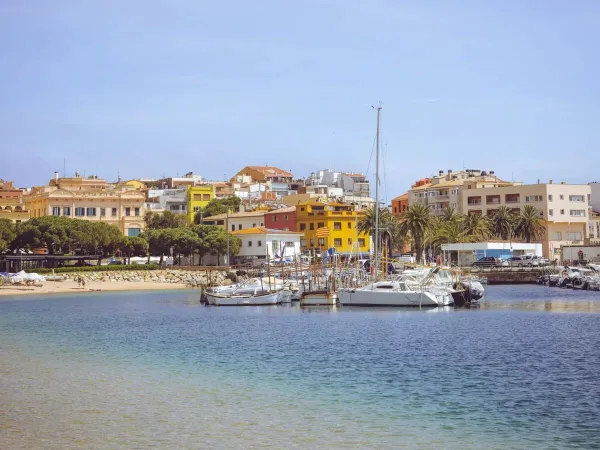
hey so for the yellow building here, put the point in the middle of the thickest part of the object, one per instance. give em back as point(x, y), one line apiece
point(11, 203)
point(330, 225)
point(198, 197)
point(91, 199)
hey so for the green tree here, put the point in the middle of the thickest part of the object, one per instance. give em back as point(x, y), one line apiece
point(55, 233)
point(390, 235)
point(8, 233)
point(133, 246)
point(415, 222)
point(503, 223)
point(166, 219)
point(185, 241)
point(529, 224)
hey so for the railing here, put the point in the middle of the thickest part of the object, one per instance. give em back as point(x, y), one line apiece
point(474, 203)
point(442, 197)
point(492, 202)
point(512, 201)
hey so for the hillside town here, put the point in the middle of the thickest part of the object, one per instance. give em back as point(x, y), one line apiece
point(279, 215)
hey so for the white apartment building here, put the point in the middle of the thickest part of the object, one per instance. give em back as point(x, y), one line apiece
point(238, 221)
point(565, 209)
point(445, 190)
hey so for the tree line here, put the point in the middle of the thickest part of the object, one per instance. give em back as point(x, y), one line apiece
point(165, 234)
point(425, 231)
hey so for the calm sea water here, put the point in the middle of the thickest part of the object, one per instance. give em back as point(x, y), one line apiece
point(141, 370)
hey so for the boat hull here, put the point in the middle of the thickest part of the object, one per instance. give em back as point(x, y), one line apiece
point(357, 297)
point(318, 298)
point(271, 298)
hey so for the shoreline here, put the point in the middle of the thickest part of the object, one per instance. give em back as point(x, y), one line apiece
point(70, 287)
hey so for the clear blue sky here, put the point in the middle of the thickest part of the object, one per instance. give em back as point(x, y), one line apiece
point(146, 88)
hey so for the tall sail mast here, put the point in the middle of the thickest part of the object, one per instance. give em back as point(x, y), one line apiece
point(376, 253)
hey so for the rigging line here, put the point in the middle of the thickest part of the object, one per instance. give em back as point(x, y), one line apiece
point(371, 157)
point(384, 147)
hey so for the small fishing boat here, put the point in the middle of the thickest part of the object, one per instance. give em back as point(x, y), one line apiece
point(323, 297)
point(256, 299)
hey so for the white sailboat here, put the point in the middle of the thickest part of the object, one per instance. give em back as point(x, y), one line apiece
point(399, 292)
point(255, 299)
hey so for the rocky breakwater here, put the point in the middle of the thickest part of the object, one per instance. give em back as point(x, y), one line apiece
point(191, 278)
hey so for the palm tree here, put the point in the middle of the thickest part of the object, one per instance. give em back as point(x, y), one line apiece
point(416, 221)
point(388, 227)
point(503, 223)
point(478, 226)
point(529, 225)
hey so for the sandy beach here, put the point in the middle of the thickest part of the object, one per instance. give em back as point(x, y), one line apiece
point(70, 286)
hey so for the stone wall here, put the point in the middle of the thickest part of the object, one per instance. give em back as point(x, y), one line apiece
point(191, 278)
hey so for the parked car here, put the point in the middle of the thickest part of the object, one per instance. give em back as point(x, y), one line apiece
point(541, 260)
point(488, 261)
point(523, 261)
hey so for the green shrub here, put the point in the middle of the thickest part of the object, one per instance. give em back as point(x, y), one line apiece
point(109, 268)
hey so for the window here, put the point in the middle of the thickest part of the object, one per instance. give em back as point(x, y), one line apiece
point(533, 198)
point(562, 197)
point(275, 246)
point(361, 242)
point(302, 226)
point(285, 218)
point(232, 227)
point(574, 236)
point(249, 243)
point(349, 225)
point(239, 226)
point(303, 242)
point(274, 218)
point(197, 197)
point(259, 243)
point(550, 198)
point(337, 242)
point(578, 212)
point(102, 212)
point(67, 211)
point(349, 241)
point(133, 232)
point(550, 212)
point(91, 212)
point(136, 211)
point(196, 209)
point(289, 244)
point(321, 242)
point(56, 211)
point(312, 242)
point(577, 198)
point(206, 197)
point(79, 212)
point(262, 224)
point(562, 211)
point(395, 209)
point(253, 225)
point(127, 211)
point(312, 226)
point(302, 209)
point(556, 236)
point(337, 226)
point(320, 224)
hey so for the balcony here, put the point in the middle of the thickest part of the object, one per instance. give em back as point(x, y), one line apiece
point(441, 198)
point(492, 200)
point(474, 201)
point(512, 198)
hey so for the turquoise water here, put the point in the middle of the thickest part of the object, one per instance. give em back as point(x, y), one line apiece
point(141, 370)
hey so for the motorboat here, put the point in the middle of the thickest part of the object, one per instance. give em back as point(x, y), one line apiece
point(249, 286)
point(254, 299)
point(285, 295)
point(395, 293)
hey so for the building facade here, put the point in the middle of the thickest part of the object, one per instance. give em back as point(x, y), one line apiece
point(399, 205)
point(12, 206)
point(330, 226)
point(237, 221)
point(262, 243)
point(281, 219)
point(90, 199)
point(564, 208)
point(197, 198)
point(263, 174)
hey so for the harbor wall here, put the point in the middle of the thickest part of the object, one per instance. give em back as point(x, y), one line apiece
point(191, 278)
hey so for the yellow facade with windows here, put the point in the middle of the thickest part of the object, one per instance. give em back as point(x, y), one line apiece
point(339, 219)
point(198, 198)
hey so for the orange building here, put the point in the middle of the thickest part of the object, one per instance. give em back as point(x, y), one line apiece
point(399, 205)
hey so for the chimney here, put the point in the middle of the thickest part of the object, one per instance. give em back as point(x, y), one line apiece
point(550, 182)
point(449, 170)
point(492, 172)
point(440, 173)
point(55, 175)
